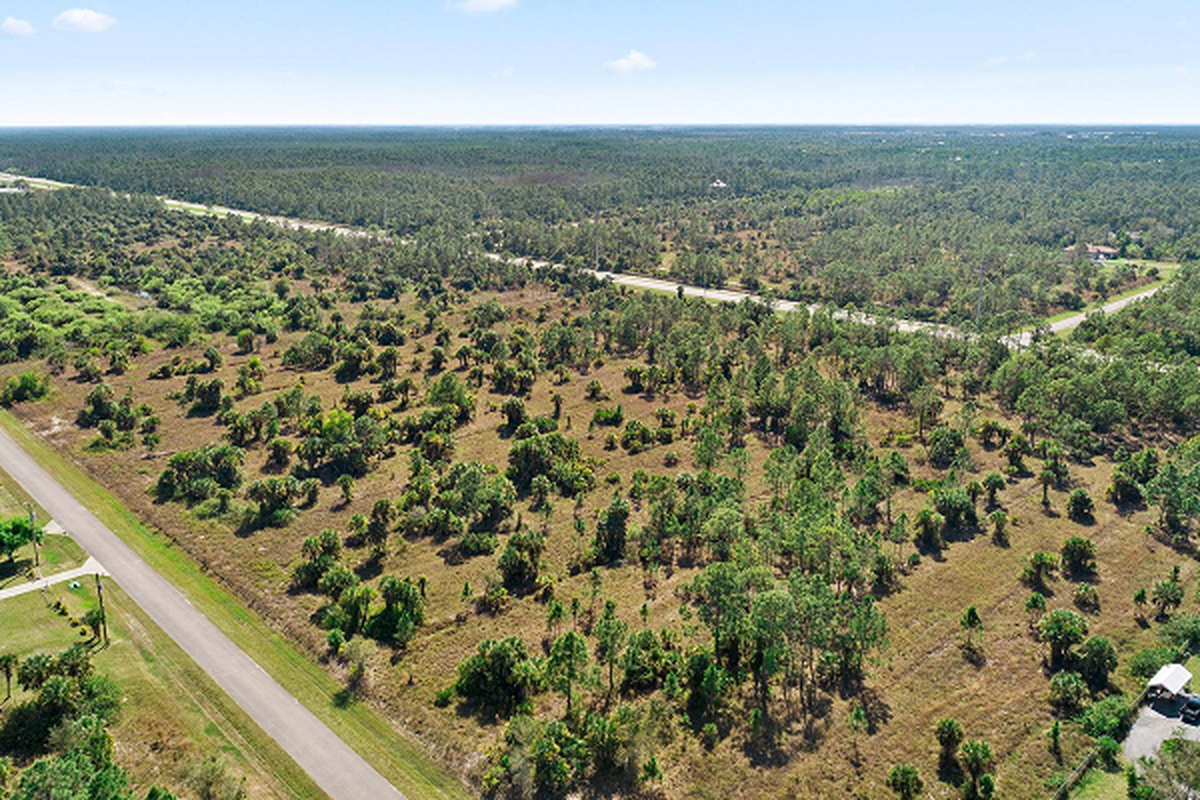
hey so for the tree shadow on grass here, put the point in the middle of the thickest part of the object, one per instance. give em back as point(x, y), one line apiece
point(950, 771)
point(878, 712)
point(765, 749)
point(371, 568)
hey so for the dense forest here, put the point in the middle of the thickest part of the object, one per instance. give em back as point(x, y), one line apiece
point(944, 225)
point(638, 543)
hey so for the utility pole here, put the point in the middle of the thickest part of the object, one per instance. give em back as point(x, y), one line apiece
point(37, 561)
point(103, 613)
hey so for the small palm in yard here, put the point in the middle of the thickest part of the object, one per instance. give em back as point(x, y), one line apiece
point(94, 619)
point(8, 665)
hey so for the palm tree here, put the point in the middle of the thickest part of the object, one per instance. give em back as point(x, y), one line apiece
point(1139, 601)
point(905, 781)
point(975, 757)
point(8, 665)
point(1046, 478)
point(1167, 595)
point(94, 619)
point(971, 623)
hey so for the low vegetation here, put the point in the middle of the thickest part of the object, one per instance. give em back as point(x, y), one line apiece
point(632, 543)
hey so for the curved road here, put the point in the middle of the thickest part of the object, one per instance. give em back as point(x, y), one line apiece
point(337, 769)
point(1015, 341)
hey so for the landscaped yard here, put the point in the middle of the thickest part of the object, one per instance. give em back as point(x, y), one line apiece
point(173, 717)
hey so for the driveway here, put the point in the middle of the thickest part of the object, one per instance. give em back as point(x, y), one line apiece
point(1157, 722)
point(90, 567)
point(329, 761)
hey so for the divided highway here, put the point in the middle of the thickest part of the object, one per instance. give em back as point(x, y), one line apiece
point(332, 765)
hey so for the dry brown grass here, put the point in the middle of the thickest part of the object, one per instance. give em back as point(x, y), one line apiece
point(922, 676)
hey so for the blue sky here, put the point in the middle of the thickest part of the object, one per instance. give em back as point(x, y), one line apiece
point(412, 62)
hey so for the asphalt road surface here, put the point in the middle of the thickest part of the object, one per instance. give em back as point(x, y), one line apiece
point(337, 769)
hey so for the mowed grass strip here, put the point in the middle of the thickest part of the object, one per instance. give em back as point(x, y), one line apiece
point(387, 750)
point(173, 715)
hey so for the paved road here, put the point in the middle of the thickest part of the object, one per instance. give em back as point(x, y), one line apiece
point(1019, 341)
point(89, 568)
point(337, 769)
point(1016, 341)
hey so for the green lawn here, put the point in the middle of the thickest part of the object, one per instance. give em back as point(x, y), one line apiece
point(56, 554)
point(173, 716)
point(396, 758)
point(1100, 785)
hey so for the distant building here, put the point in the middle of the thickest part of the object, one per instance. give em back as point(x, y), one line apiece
point(11, 190)
point(719, 184)
point(1096, 252)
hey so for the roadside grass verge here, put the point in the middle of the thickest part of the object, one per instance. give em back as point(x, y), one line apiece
point(173, 716)
point(387, 750)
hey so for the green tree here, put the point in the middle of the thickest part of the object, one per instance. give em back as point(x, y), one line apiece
point(1068, 692)
point(1097, 658)
point(1062, 629)
point(610, 633)
point(1140, 599)
point(345, 482)
point(972, 625)
point(976, 758)
point(999, 520)
point(905, 781)
point(1167, 596)
point(1046, 478)
point(1079, 555)
point(949, 735)
point(993, 482)
point(721, 594)
point(499, 675)
point(611, 530)
point(1038, 567)
point(1080, 506)
point(8, 665)
point(567, 665)
point(94, 619)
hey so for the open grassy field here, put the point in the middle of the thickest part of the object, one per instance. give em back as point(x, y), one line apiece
point(173, 717)
point(357, 724)
point(242, 580)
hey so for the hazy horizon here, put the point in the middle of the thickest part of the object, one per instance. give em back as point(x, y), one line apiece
point(537, 63)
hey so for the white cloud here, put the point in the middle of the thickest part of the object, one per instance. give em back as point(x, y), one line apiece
point(1181, 70)
point(16, 27)
point(83, 20)
point(1000, 61)
point(502, 74)
point(636, 61)
point(483, 6)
